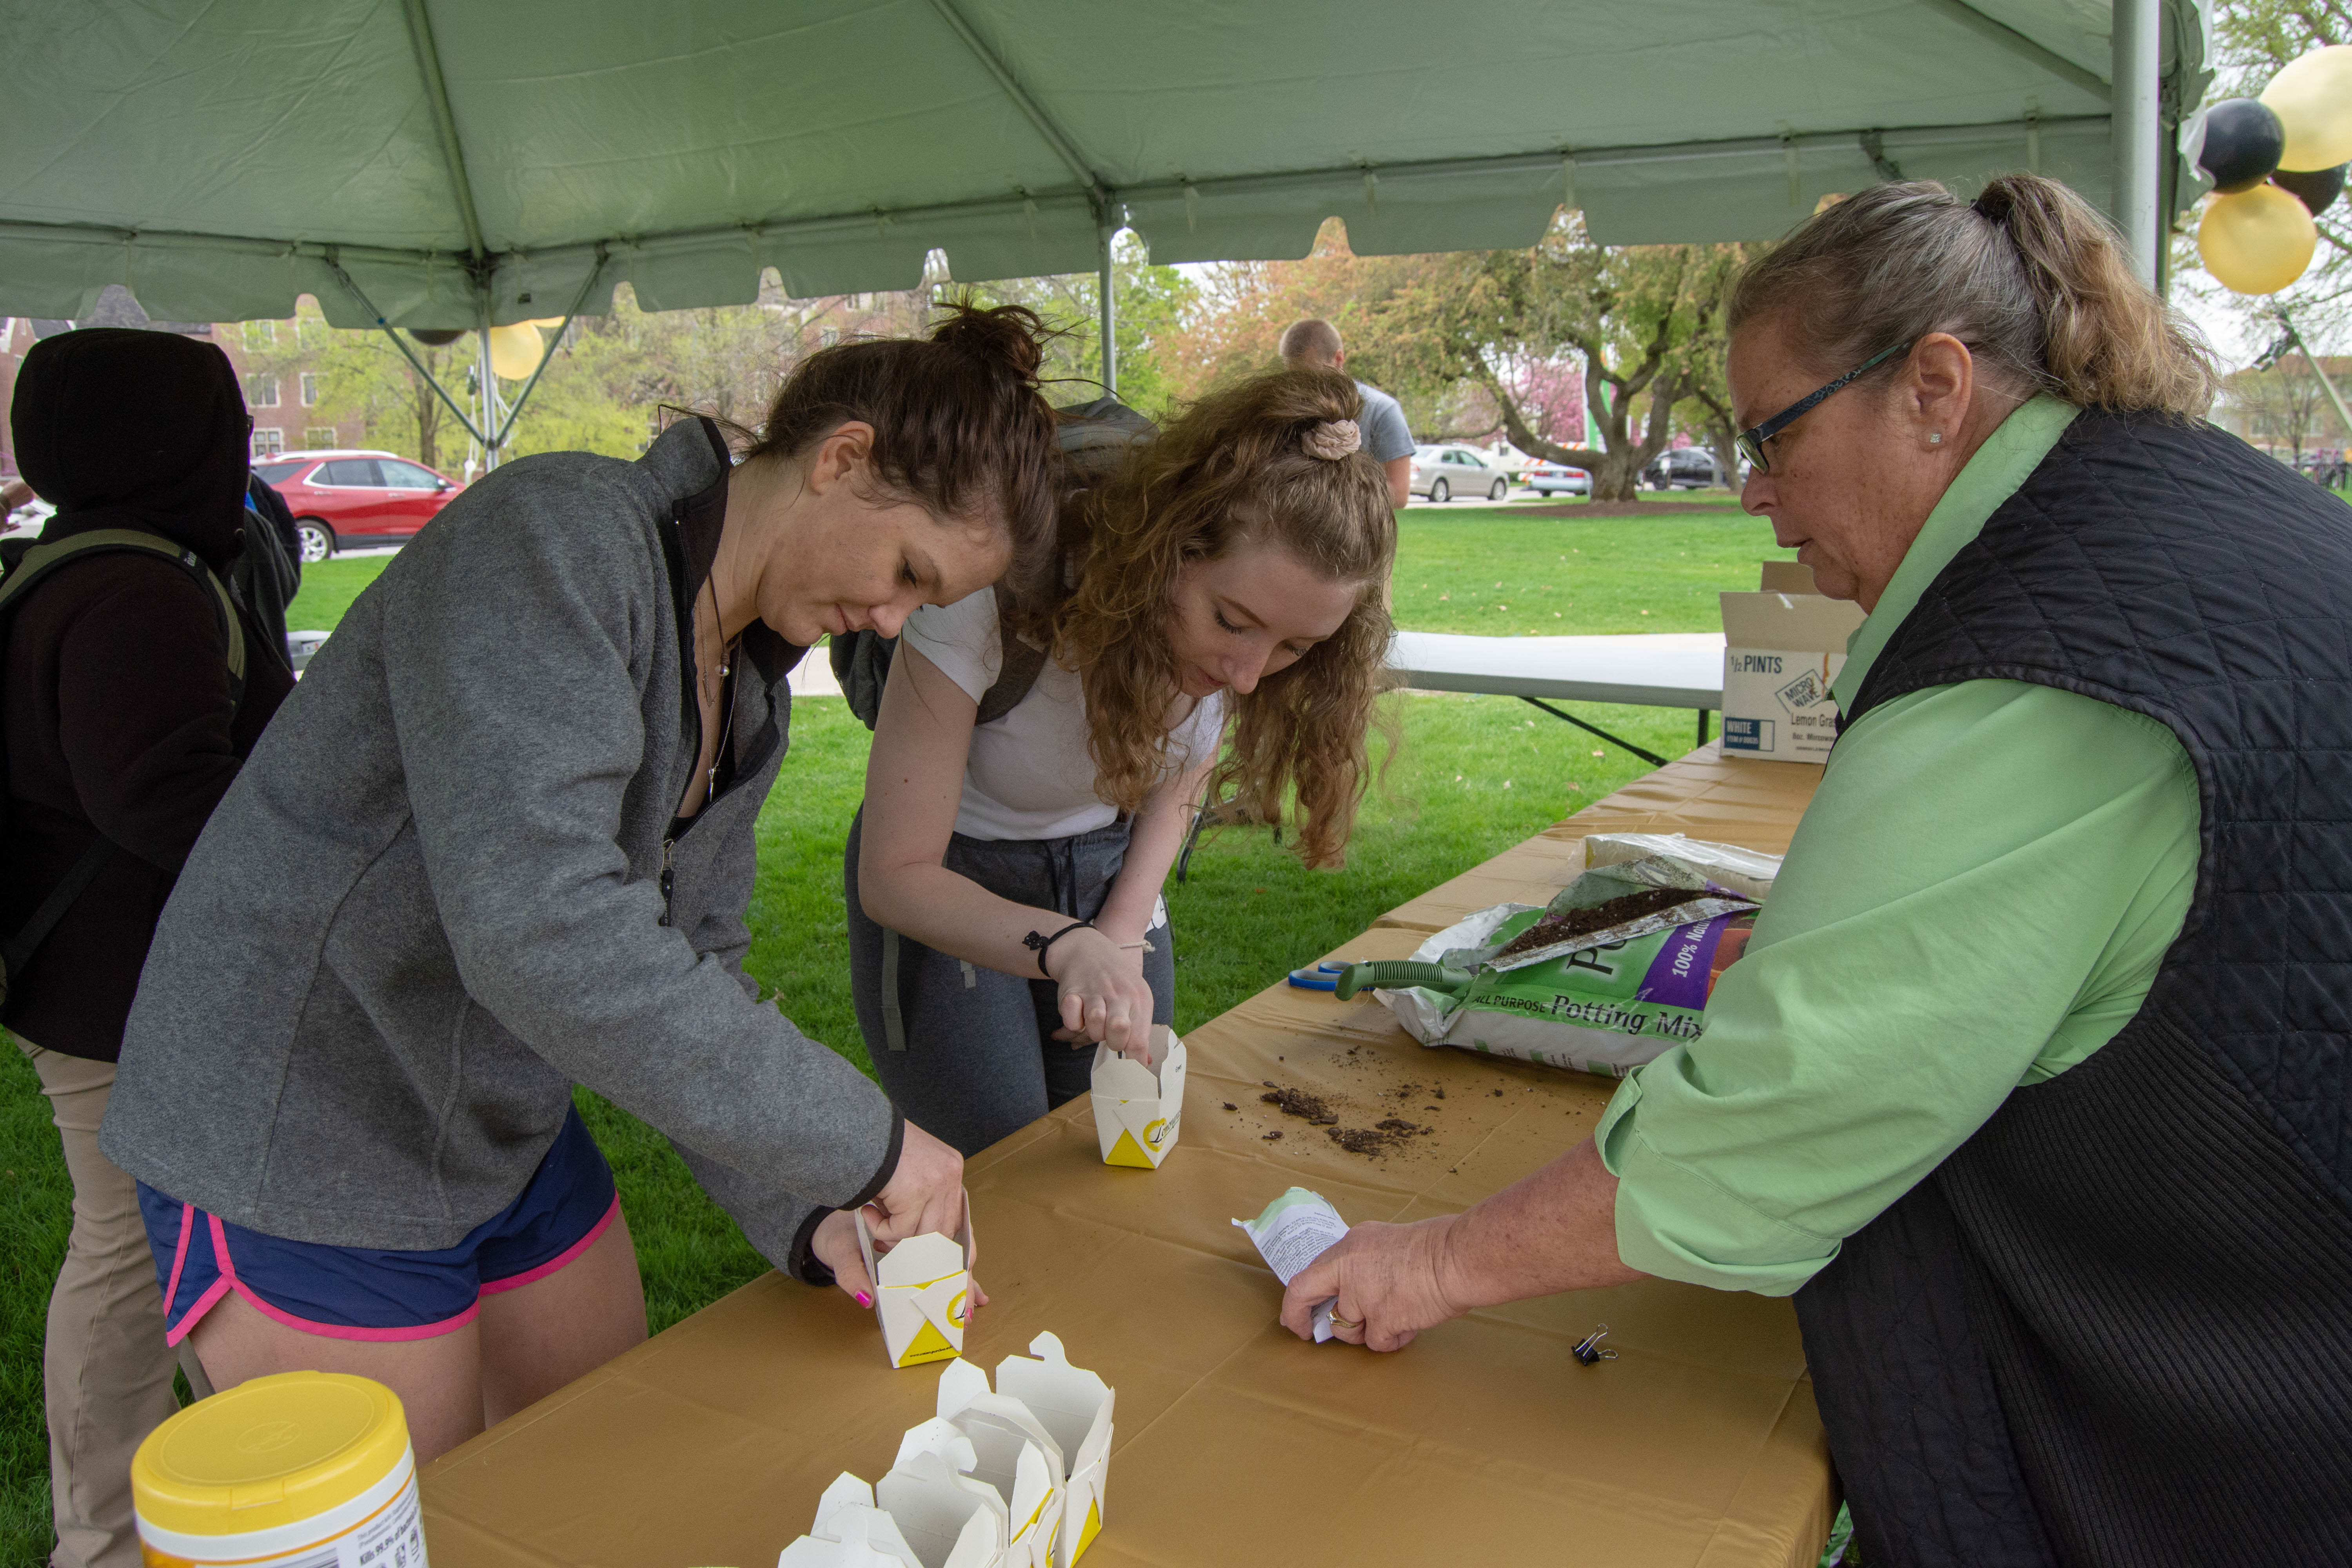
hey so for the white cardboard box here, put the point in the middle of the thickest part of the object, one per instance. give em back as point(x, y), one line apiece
point(850, 1531)
point(1140, 1110)
point(1014, 1453)
point(1074, 1406)
point(1780, 652)
point(922, 1288)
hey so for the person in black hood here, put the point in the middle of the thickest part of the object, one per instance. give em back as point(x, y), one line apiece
point(120, 724)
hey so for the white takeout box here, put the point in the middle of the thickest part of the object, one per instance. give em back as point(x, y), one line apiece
point(1780, 652)
point(850, 1532)
point(1074, 1406)
point(1140, 1110)
point(1014, 1453)
point(922, 1288)
point(948, 1516)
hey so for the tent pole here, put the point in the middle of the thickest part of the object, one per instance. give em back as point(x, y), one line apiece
point(405, 353)
point(2334, 398)
point(1105, 289)
point(2135, 120)
point(487, 379)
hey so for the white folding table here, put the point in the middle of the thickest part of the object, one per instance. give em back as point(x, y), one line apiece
point(1664, 670)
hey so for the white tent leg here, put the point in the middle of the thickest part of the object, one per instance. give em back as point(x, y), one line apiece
point(2136, 40)
point(487, 379)
point(1109, 325)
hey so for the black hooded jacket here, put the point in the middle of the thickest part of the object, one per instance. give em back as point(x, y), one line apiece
point(114, 687)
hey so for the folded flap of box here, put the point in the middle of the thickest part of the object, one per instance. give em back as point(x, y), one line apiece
point(1123, 1078)
point(856, 1536)
point(946, 1515)
point(944, 1438)
point(1071, 1404)
point(846, 1491)
point(1796, 622)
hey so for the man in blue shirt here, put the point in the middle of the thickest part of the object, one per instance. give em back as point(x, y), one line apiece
point(1316, 344)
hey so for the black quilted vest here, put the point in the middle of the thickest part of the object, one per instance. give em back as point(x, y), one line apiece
point(2116, 1326)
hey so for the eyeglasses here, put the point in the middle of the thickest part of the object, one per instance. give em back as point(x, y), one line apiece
point(1751, 442)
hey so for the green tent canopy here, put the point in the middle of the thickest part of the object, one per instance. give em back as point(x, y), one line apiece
point(510, 160)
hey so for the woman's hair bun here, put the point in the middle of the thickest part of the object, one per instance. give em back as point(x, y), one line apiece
point(1008, 335)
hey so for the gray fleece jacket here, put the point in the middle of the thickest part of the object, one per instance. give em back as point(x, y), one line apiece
point(449, 885)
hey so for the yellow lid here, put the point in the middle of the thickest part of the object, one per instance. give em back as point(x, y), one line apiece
point(276, 1450)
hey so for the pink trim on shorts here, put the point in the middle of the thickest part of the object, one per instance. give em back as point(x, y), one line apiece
point(188, 1320)
point(228, 1279)
point(179, 1257)
point(568, 1256)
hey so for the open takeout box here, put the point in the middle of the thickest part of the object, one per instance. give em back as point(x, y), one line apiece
point(1138, 1109)
point(1009, 1479)
point(922, 1288)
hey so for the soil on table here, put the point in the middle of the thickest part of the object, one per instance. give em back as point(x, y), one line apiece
point(1311, 1108)
point(1570, 923)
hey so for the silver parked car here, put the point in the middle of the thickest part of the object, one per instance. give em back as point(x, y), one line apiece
point(1440, 473)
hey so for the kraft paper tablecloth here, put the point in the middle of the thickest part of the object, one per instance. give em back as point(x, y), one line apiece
point(1483, 1443)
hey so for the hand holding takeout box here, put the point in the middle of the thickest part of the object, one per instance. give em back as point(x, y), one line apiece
point(1139, 1107)
point(922, 1291)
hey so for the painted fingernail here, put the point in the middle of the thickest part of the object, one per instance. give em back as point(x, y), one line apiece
point(863, 1300)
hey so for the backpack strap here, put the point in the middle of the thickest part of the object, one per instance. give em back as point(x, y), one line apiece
point(44, 558)
point(25, 571)
point(1017, 668)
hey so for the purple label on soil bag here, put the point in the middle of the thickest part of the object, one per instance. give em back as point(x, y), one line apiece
point(1677, 976)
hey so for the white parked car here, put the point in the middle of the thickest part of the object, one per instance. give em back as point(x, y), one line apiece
point(1558, 479)
point(1440, 473)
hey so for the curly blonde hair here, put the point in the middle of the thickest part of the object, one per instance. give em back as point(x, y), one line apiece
point(1234, 469)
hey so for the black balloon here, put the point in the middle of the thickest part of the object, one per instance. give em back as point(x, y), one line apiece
point(2243, 140)
point(2316, 188)
point(434, 337)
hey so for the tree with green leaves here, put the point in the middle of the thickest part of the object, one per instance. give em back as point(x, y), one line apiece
point(1645, 321)
point(1150, 304)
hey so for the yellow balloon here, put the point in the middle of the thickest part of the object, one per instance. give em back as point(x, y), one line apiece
point(549, 321)
point(2258, 241)
point(2312, 98)
point(515, 350)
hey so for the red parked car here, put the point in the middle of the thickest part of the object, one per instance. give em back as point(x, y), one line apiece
point(354, 500)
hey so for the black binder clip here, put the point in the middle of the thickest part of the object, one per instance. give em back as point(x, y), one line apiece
point(1590, 1349)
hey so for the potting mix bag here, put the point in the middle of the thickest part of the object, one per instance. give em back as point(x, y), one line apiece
point(1608, 975)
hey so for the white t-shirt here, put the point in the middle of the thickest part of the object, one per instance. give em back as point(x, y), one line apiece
point(1030, 775)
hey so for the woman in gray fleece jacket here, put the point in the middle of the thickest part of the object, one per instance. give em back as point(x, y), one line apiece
point(500, 842)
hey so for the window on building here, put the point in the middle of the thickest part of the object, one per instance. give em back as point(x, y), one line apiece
point(317, 437)
point(261, 391)
point(260, 334)
point(309, 389)
point(828, 336)
point(269, 440)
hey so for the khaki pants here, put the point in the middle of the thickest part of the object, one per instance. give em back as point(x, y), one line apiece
point(106, 1370)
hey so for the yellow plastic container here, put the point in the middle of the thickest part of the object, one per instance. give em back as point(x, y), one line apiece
point(305, 1469)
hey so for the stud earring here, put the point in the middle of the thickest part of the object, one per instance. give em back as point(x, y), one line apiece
point(1935, 437)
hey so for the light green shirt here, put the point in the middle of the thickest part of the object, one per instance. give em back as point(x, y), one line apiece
point(1978, 897)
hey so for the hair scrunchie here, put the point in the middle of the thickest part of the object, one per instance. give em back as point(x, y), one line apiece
point(1333, 439)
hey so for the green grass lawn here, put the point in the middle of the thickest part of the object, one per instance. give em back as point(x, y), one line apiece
point(1474, 775)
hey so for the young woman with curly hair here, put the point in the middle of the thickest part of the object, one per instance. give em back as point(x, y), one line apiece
point(1003, 878)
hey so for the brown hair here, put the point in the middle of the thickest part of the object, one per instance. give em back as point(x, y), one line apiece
point(2029, 276)
point(959, 424)
point(1314, 339)
point(1233, 468)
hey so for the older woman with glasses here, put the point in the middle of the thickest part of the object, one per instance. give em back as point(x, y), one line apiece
point(2032, 1086)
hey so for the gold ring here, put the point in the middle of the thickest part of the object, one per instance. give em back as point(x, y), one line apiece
point(1339, 1322)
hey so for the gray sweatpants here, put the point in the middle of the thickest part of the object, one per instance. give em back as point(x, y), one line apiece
point(968, 1053)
